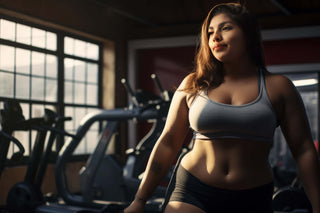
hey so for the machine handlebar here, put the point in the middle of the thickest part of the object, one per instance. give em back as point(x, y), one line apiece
point(164, 93)
point(130, 91)
point(137, 99)
point(14, 140)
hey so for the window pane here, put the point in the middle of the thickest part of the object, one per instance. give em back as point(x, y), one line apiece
point(6, 84)
point(33, 137)
point(68, 45)
point(92, 51)
point(51, 90)
point(50, 107)
point(92, 92)
point(79, 48)
point(79, 113)
point(51, 41)
point(25, 110)
point(6, 58)
point(80, 68)
point(7, 29)
point(23, 137)
point(80, 148)
point(79, 93)
point(68, 69)
point(22, 61)
point(37, 111)
point(70, 125)
point(37, 88)
point(37, 63)
point(38, 37)
point(68, 92)
point(92, 74)
point(92, 140)
point(23, 34)
point(22, 86)
point(51, 66)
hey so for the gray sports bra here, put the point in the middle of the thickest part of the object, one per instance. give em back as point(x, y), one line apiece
point(253, 121)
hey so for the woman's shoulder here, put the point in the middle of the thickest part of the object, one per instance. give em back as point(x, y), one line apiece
point(278, 81)
point(186, 82)
point(184, 88)
point(280, 86)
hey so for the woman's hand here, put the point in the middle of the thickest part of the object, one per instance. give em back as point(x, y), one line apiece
point(136, 206)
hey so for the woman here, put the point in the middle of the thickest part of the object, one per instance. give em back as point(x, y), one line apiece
point(233, 105)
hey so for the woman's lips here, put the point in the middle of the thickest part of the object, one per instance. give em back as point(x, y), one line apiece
point(219, 47)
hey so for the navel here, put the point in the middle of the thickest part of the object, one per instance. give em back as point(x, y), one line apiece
point(225, 169)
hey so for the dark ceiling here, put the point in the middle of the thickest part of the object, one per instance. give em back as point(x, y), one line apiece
point(132, 19)
point(185, 16)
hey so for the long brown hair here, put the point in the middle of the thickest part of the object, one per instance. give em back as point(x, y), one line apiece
point(208, 70)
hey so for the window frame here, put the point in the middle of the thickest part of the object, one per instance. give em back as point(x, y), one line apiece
point(59, 104)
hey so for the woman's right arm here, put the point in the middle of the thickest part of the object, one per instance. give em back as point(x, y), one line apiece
point(164, 151)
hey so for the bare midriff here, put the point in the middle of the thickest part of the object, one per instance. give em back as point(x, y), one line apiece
point(230, 163)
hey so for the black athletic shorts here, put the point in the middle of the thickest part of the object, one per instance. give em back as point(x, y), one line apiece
point(191, 190)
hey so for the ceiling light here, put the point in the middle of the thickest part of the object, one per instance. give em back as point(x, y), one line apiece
point(305, 82)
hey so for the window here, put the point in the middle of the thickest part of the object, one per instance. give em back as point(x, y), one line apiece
point(81, 74)
point(30, 73)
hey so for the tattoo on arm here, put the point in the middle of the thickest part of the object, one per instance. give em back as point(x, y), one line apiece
point(156, 167)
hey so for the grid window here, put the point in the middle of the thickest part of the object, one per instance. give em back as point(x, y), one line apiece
point(29, 72)
point(7, 58)
point(81, 48)
point(24, 34)
point(89, 142)
point(7, 29)
point(81, 70)
point(81, 82)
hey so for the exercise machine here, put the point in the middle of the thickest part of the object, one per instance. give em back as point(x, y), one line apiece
point(123, 180)
point(104, 181)
point(289, 194)
point(145, 107)
point(26, 195)
point(11, 113)
point(291, 198)
point(5, 140)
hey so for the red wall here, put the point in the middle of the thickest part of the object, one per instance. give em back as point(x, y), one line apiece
point(295, 51)
point(172, 64)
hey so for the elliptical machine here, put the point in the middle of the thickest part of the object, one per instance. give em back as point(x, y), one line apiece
point(26, 196)
point(124, 181)
point(11, 113)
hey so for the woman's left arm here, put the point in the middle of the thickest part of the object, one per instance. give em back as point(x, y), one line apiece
point(295, 127)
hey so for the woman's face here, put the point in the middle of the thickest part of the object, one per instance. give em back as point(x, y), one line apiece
point(226, 39)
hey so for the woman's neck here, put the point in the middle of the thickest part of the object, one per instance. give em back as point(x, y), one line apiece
point(239, 70)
